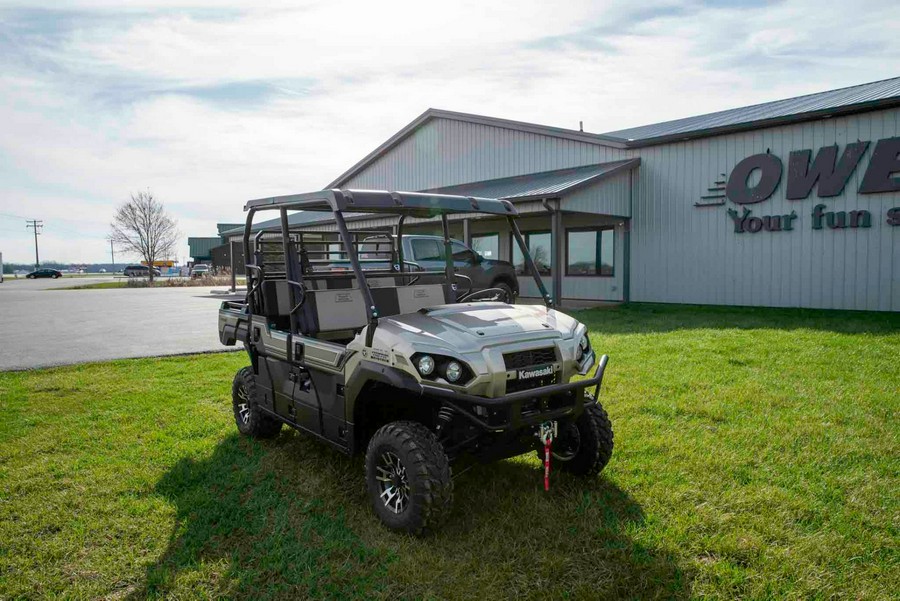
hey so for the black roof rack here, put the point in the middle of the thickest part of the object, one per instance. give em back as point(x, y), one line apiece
point(414, 204)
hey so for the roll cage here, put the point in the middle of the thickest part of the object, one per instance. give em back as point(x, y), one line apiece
point(308, 258)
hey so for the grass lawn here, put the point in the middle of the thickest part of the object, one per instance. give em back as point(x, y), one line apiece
point(756, 456)
point(96, 286)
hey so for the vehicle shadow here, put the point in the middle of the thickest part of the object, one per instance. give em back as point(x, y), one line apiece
point(290, 518)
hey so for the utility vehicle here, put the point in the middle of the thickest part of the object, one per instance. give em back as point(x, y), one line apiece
point(419, 376)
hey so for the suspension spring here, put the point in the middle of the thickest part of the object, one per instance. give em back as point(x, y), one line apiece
point(444, 417)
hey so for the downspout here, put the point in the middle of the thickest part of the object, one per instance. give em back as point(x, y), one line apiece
point(626, 226)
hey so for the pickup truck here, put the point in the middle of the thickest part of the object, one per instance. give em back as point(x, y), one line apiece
point(426, 252)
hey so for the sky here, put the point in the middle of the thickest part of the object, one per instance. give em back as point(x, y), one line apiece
point(209, 104)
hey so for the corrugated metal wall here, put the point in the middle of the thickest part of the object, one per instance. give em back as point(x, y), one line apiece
point(446, 152)
point(607, 197)
point(683, 254)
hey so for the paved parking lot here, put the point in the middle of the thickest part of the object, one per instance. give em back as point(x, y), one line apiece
point(40, 326)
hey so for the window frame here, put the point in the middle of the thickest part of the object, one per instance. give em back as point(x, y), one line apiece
point(593, 228)
point(486, 235)
point(526, 236)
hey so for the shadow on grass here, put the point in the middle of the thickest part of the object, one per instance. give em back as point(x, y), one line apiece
point(289, 518)
point(240, 533)
point(647, 318)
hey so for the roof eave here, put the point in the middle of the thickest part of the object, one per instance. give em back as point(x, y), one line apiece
point(852, 109)
point(627, 165)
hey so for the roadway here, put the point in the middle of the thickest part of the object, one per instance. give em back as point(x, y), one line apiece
point(41, 326)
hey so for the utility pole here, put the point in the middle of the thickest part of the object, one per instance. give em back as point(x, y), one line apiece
point(36, 225)
point(112, 254)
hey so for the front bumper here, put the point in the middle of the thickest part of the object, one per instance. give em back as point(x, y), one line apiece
point(523, 408)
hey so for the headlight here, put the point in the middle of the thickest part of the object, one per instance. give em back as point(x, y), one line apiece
point(454, 371)
point(583, 345)
point(426, 365)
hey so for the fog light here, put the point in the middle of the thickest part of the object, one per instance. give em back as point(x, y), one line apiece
point(426, 365)
point(454, 371)
point(583, 346)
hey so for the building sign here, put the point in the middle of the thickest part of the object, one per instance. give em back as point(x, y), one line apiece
point(828, 172)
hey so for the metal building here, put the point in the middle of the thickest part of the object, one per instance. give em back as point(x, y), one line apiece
point(793, 203)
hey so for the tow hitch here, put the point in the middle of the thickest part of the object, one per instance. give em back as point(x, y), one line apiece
point(547, 431)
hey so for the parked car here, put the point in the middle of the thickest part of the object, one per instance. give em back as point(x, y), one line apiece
point(44, 273)
point(198, 271)
point(140, 271)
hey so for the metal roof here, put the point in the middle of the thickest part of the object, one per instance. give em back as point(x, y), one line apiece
point(868, 96)
point(546, 184)
point(855, 99)
point(200, 247)
point(224, 227)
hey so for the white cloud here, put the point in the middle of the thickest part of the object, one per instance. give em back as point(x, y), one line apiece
point(217, 103)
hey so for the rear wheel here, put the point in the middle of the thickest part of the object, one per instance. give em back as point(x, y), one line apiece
point(250, 419)
point(584, 446)
point(408, 478)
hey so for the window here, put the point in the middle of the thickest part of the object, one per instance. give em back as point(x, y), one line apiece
point(591, 252)
point(487, 245)
point(539, 247)
point(427, 249)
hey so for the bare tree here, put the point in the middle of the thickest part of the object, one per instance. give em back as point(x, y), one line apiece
point(142, 226)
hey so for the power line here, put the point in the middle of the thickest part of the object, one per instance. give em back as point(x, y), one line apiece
point(14, 216)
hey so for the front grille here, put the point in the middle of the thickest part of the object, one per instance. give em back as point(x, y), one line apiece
point(523, 359)
point(517, 385)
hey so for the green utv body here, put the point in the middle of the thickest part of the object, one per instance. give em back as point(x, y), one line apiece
point(411, 365)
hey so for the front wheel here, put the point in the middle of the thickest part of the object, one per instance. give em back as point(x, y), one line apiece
point(584, 446)
point(508, 295)
point(408, 478)
point(250, 419)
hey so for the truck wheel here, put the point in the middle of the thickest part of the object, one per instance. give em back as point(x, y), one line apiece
point(585, 446)
point(250, 419)
point(507, 291)
point(408, 478)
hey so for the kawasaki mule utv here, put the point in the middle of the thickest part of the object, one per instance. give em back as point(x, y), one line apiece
point(377, 358)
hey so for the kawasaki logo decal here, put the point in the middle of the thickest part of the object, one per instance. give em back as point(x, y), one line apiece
point(537, 372)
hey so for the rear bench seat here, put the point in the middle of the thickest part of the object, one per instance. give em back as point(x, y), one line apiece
point(333, 312)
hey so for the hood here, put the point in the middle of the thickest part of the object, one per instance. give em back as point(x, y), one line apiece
point(469, 327)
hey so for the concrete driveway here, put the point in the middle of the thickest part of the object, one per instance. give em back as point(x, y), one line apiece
point(40, 326)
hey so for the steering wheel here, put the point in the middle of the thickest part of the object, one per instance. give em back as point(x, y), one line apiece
point(489, 294)
point(469, 291)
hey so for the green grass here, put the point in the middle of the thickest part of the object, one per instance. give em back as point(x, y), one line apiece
point(96, 286)
point(756, 456)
